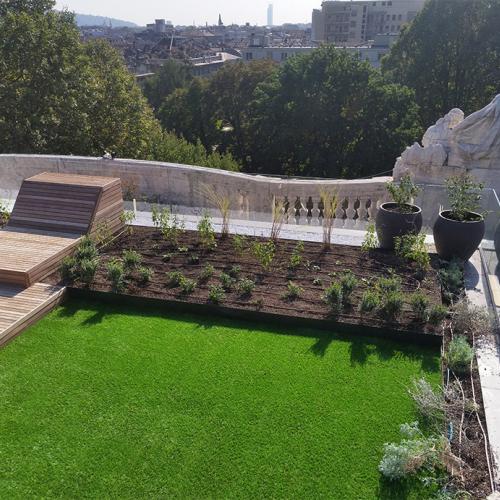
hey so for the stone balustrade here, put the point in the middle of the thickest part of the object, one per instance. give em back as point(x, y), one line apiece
point(182, 186)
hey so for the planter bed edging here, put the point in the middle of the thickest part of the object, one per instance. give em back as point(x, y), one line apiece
point(427, 339)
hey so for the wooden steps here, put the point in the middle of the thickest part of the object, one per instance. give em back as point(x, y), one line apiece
point(21, 307)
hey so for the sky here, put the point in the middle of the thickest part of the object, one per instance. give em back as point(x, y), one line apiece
point(184, 12)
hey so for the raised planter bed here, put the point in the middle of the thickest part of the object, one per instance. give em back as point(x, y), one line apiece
point(319, 267)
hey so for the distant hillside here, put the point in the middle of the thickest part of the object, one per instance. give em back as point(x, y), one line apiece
point(87, 20)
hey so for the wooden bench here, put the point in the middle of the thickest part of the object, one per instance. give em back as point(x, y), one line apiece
point(52, 212)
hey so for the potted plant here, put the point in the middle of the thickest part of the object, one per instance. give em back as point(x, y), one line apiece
point(400, 216)
point(459, 230)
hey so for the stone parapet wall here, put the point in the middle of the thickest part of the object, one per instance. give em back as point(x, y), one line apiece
point(182, 185)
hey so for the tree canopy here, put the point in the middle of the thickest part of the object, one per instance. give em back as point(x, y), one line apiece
point(323, 114)
point(61, 96)
point(29, 6)
point(450, 55)
point(330, 114)
point(172, 75)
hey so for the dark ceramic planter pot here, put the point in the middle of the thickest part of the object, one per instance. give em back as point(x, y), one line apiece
point(391, 223)
point(458, 239)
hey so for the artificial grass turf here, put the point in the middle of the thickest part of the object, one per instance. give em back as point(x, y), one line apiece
point(101, 401)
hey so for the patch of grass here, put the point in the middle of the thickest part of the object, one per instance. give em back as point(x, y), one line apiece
point(110, 401)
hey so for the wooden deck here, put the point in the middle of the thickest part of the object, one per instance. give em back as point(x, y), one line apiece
point(29, 257)
point(52, 211)
point(21, 307)
point(51, 214)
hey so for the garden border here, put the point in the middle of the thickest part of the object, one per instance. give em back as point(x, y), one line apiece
point(426, 339)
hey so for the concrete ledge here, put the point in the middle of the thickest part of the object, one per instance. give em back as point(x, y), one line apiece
point(176, 184)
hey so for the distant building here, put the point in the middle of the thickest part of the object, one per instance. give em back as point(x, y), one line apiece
point(220, 23)
point(270, 14)
point(159, 26)
point(373, 52)
point(358, 21)
point(205, 66)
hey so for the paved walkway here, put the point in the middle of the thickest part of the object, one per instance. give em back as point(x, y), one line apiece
point(290, 231)
point(488, 358)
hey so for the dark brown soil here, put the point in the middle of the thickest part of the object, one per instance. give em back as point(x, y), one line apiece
point(471, 448)
point(317, 264)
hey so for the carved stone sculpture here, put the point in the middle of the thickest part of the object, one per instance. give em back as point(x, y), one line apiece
point(471, 143)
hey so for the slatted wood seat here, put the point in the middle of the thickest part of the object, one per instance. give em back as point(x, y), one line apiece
point(68, 203)
point(52, 212)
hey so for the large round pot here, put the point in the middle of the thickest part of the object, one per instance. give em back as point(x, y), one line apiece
point(458, 239)
point(392, 222)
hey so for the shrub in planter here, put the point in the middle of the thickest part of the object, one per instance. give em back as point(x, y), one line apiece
point(234, 271)
point(246, 287)
point(145, 274)
point(400, 216)
point(411, 247)
point(393, 304)
point(131, 259)
point(68, 268)
point(264, 253)
point(459, 354)
point(369, 301)
point(348, 282)
point(87, 269)
point(187, 286)
point(334, 297)
point(206, 233)
point(296, 257)
point(414, 453)
point(420, 306)
point(116, 274)
point(174, 278)
point(293, 291)
point(239, 243)
point(371, 241)
point(4, 214)
point(388, 285)
point(216, 294)
point(207, 272)
point(451, 276)
point(459, 230)
point(437, 314)
point(226, 281)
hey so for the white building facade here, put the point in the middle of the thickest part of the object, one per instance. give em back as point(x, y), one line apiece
point(356, 22)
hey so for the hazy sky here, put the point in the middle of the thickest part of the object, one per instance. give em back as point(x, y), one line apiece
point(200, 11)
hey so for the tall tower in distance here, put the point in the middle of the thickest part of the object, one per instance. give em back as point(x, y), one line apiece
point(220, 21)
point(270, 14)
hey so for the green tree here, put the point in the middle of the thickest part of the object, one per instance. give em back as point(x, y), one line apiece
point(216, 110)
point(172, 75)
point(229, 95)
point(184, 112)
point(43, 76)
point(120, 118)
point(330, 114)
point(60, 96)
point(30, 6)
point(450, 55)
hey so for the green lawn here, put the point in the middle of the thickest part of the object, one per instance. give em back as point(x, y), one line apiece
point(102, 401)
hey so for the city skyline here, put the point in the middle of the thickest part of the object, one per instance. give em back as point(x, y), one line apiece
point(189, 11)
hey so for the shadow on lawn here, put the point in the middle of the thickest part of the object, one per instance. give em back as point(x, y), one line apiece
point(360, 347)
